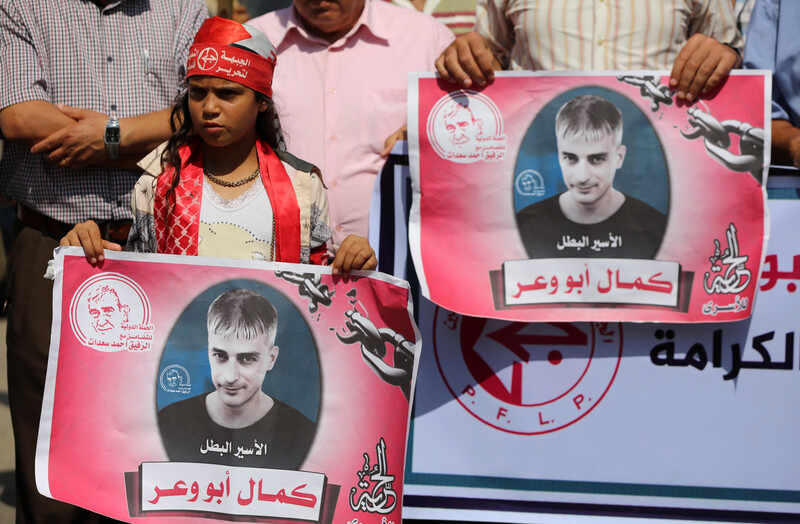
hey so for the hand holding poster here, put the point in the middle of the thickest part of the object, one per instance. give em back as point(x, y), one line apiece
point(268, 392)
point(588, 197)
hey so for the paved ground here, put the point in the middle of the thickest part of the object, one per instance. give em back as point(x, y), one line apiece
point(6, 439)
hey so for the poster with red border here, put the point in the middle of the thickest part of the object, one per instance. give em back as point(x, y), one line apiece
point(188, 389)
point(589, 196)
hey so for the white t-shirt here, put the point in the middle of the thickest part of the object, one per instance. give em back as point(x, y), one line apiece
point(238, 228)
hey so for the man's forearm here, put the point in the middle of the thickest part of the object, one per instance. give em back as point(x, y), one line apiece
point(80, 141)
point(141, 134)
point(29, 122)
point(785, 143)
point(138, 136)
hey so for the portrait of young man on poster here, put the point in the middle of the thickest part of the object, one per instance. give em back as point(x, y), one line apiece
point(238, 423)
point(591, 218)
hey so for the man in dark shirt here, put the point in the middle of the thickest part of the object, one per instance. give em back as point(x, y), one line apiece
point(238, 424)
point(591, 218)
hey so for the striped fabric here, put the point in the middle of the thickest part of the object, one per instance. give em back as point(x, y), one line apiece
point(600, 34)
point(458, 15)
point(128, 57)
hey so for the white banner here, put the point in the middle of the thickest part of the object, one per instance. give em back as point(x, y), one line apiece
point(663, 420)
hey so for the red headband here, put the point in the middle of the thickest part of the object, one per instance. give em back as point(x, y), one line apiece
point(212, 54)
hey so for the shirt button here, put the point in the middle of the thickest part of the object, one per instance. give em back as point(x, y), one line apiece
point(600, 42)
point(109, 59)
point(333, 138)
point(334, 183)
point(339, 229)
point(332, 91)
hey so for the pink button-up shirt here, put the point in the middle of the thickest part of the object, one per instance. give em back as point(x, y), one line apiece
point(338, 102)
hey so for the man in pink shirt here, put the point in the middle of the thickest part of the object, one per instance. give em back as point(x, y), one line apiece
point(341, 89)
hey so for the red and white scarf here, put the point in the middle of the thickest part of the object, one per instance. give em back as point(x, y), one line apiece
point(177, 231)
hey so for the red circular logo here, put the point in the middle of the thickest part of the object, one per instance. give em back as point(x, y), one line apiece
point(526, 378)
point(207, 58)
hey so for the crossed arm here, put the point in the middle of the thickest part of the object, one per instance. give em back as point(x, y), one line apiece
point(73, 137)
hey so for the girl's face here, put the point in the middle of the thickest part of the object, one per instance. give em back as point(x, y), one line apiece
point(223, 112)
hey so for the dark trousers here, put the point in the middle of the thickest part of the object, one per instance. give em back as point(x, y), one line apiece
point(30, 302)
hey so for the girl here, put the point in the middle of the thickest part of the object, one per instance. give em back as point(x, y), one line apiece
point(226, 186)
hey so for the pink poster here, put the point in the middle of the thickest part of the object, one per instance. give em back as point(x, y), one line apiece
point(597, 196)
point(189, 389)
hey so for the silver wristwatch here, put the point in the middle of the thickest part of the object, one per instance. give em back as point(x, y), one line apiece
point(111, 137)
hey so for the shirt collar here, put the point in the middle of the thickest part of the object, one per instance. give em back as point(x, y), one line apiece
point(367, 24)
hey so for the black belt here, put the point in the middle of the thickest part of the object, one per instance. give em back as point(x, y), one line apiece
point(113, 230)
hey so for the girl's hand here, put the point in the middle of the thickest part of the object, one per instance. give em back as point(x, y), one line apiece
point(354, 253)
point(87, 235)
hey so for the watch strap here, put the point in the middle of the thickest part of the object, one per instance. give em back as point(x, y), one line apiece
point(112, 137)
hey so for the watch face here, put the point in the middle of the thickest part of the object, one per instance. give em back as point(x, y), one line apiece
point(112, 135)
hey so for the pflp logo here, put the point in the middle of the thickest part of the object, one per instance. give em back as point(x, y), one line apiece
point(525, 378)
point(207, 58)
point(466, 126)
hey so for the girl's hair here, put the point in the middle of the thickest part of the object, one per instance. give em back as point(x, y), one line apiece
point(268, 127)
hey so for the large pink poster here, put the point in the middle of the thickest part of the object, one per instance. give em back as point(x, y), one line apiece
point(198, 390)
point(564, 197)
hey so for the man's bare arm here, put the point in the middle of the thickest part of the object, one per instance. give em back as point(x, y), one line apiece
point(143, 133)
point(82, 143)
point(29, 122)
point(785, 143)
point(74, 136)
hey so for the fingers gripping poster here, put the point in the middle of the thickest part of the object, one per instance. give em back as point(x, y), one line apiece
point(185, 389)
point(596, 196)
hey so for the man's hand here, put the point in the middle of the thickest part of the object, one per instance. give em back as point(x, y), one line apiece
point(785, 143)
point(700, 67)
point(78, 145)
point(468, 59)
point(391, 140)
point(354, 253)
point(87, 235)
